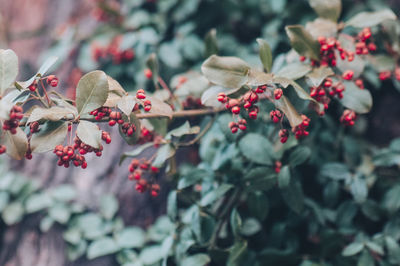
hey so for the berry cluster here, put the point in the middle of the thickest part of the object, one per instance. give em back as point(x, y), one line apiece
point(384, 75)
point(328, 47)
point(364, 44)
point(15, 116)
point(145, 136)
point(137, 170)
point(101, 112)
point(276, 116)
point(241, 124)
point(66, 154)
point(248, 101)
point(3, 149)
point(112, 51)
point(52, 80)
point(348, 117)
point(34, 127)
point(128, 129)
point(301, 130)
point(115, 118)
point(321, 92)
point(283, 135)
point(141, 95)
point(33, 87)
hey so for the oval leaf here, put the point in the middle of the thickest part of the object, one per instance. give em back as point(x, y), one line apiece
point(230, 72)
point(92, 91)
point(8, 69)
point(265, 54)
point(50, 135)
point(89, 133)
point(303, 42)
point(354, 98)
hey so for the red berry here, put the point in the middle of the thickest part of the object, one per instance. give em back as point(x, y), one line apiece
point(148, 73)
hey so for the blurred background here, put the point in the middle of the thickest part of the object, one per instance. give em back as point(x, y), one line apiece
point(83, 33)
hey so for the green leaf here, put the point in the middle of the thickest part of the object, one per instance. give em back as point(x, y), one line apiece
point(135, 152)
point(353, 249)
point(329, 9)
point(74, 252)
point(265, 54)
point(4, 199)
point(284, 177)
point(293, 196)
point(209, 97)
point(159, 107)
point(375, 247)
point(135, 136)
point(250, 227)
point(91, 91)
point(72, 236)
point(359, 189)
point(60, 213)
point(13, 213)
point(260, 178)
point(55, 113)
point(236, 222)
point(163, 153)
point(196, 260)
point(37, 202)
point(258, 205)
point(391, 200)
point(290, 112)
point(108, 206)
point(382, 63)
point(46, 223)
point(16, 144)
point(354, 98)
point(257, 148)
point(236, 253)
point(126, 104)
point(230, 72)
point(393, 249)
point(318, 75)
point(130, 237)
point(303, 42)
point(215, 194)
point(365, 259)
point(49, 136)
point(294, 71)
point(211, 43)
point(89, 133)
point(8, 69)
point(184, 129)
point(299, 155)
point(150, 255)
point(64, 193)
point(369, 19)
point(172, 205)
point(284, 82)
point(101, 247)
point(257, 78)
point(336, 171)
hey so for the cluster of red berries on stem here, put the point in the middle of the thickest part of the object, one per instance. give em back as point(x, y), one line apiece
point(384, 75)
point(52, 80)
point(112, 51)
point(364, 44)
point(348, 117)
point(101, 112)
point(248, 101)
point(141, 95)
point(16, 114)
point(328, 48)
point(283, 135)
point(137, 169)
point(241, 124)
point(34, 127)
point(276, 116)
point(301, 129)
point(277, 167)
point(115, 118)
point(66, 154)
point(327, 87)
point(128, 129)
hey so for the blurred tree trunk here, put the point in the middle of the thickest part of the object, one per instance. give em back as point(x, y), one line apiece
point(27, 28)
